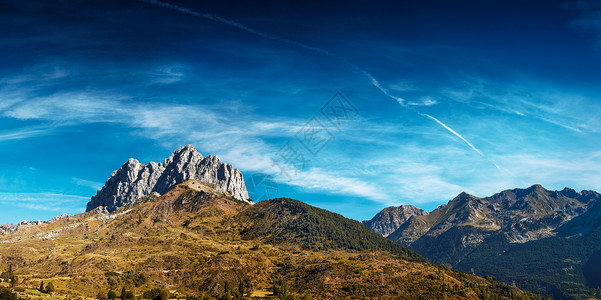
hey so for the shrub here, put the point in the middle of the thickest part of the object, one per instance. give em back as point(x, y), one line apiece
point(156, 294)
point(50, 288)
point(7, 294)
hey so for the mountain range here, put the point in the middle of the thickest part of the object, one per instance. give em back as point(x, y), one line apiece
point(200, 239)
point(545, 241)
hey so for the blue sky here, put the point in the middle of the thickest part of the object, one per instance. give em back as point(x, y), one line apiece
point(441, 97)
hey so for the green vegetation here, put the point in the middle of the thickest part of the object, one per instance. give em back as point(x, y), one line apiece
point(156, 294)
point(9, 276)
point(50, 288)
point(548, 242)
point(288, 221)
point(278, 249)
point(7, 294)
point(563, 268)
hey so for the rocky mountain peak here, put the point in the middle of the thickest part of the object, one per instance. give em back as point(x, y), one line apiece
point(462, 198)
point(135, 180)
point(184, 154)
point(391, 218)
point(568, 192)
point(534, 189)
point(464, 195)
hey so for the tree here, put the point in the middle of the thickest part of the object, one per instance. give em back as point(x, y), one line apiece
point(163, 295)
point(111, 295)
point(152, 294)
point(7, 294)
point(6, 276)
point(101, 295)
point(225, 296)
point(156, 294)
point(13, 281)
point(123, 293)
point(241, 288)
point(41, 288)
point(50, 288)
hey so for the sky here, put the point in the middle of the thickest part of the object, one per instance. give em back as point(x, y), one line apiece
point(346, 105)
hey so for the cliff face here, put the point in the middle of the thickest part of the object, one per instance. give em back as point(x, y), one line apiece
point(391, 218)
point(135, 180)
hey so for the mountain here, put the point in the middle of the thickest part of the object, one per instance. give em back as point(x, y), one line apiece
point(537, 237)
point(391, 218)
point(286, 220)
point(135, 180)
point(201, 243)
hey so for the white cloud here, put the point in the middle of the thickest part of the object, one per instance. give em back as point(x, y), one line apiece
point(88, 183)
point(168, 74)
point(44, 201)
point(336, 183)
point(560, 106)
point(424, 101)
point(398, 172)
point(23, 133)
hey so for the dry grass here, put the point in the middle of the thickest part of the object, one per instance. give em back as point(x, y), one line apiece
point(194, 252)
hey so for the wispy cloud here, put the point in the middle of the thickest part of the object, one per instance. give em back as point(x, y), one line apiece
point(531, 99)
point(23, 133)
point(44, 201)
point(88, 183)
point(336, 183)
point(365, 73)
point(238, 136)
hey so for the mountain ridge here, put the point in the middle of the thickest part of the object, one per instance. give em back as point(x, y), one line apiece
point(480, 233)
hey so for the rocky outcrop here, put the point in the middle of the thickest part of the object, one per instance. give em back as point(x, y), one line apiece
point(391, 218)
point(135, 180)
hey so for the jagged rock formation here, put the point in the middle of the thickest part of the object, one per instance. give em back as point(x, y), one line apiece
point(135, 180)
point(534, 236)
point(521, 215)
point(391, 218)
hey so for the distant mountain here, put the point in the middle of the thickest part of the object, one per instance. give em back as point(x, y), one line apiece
point(135, 180)
point(201, 243)
point(537, 237)
point(392, 217)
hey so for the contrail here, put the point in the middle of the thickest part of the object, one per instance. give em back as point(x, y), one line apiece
point(452, 131)
point(372, 79)
point(216, 18)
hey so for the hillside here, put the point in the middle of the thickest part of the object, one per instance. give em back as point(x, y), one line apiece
point(198, 242)
point(287, 221)
point(541, 239)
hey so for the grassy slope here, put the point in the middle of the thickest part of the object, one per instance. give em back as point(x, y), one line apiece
point(193, 240)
